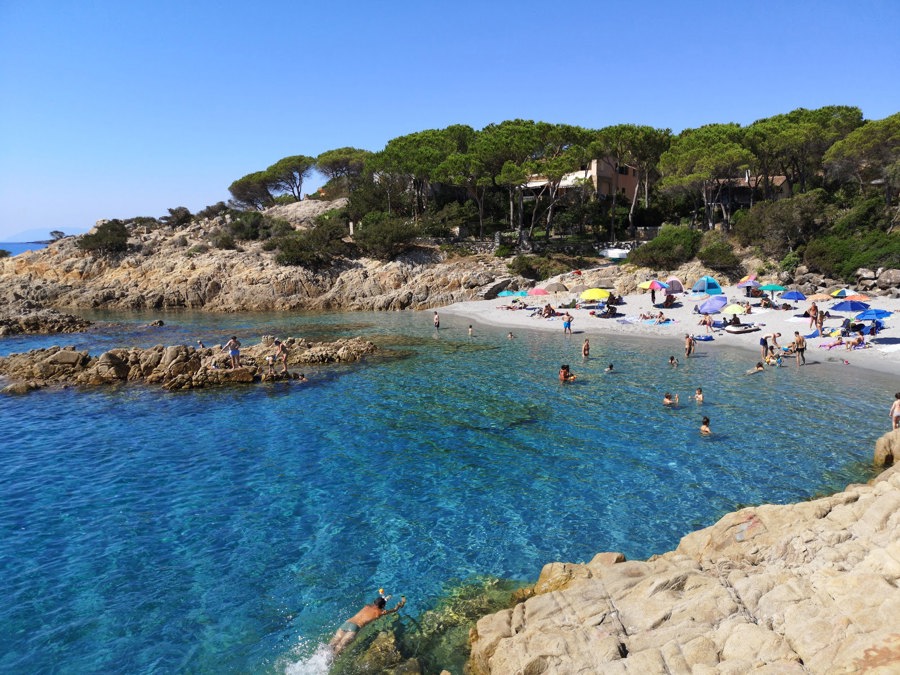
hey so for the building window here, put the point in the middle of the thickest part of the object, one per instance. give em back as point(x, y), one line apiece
point(623, 170)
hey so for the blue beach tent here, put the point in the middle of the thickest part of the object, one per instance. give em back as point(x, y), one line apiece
point(707, 285)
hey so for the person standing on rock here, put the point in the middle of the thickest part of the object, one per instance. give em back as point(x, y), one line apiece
point(281, 354)
point(233, 347)
point(895, 412)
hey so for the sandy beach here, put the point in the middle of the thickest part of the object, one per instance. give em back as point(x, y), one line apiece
point(881, 354)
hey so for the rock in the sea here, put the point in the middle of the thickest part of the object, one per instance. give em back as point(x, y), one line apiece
point(804, 588)
point(173, 367)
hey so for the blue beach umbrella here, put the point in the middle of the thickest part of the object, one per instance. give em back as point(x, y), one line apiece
point(505, 294)
point(850, 306)
point(793, 295)
point(713, 305)
point(873, 314)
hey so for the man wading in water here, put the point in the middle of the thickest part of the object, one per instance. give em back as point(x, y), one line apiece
point(350, 628)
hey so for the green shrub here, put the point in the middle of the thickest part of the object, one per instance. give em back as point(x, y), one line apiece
point(313, 248)
point(197, 250)
point(212, 211)
point(504, 251)
point(382, 236)
point(224, 240)
point(537, 267)
point(178, 217)
point(840, 256)
point(717, 253)
point(673, 246)
point(790, 262)
point(110, 237)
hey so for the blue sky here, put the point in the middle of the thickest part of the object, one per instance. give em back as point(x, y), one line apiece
point(120, 109)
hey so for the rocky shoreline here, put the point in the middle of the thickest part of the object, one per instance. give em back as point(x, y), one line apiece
point(174, 367)
point(27, 317)
point(800, 588)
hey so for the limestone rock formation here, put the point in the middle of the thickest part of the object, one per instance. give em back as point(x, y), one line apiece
point(802, 588)
point(173, 367)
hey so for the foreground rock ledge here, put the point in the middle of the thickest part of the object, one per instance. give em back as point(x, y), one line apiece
point(801, 588)
point(173, 367)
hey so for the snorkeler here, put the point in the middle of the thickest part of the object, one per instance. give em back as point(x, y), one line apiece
point(350, 628)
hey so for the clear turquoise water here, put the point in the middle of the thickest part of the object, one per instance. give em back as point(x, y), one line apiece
point(233, 530)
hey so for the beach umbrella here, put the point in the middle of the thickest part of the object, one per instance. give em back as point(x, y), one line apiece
point(556, 287)
point(505, 294)
point(749, 283)
point(579, 288)
point(745, 279)
point(653, 285)
point(858, 296)
point(734, 309)
point(594, 294)
point(873, 314)
point(771, 287)
point(793, 295)
point(850, 306)
point(713, 305)
point(841, 293)
point(521, 294)
point(819, 297)
point(538, 291)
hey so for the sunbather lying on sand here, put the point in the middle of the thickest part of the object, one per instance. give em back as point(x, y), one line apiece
point(834, 343)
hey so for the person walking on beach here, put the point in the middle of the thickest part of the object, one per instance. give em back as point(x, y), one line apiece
point(567, 323)
point(586, 350)
point(800, 348)
point(895, 412)
point(233, 347)
point(437, 321)
point(350, 628)
point(652, 296)
point(813, 312)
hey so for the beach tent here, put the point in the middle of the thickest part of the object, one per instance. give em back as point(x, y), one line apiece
point(675, 286)
point(707, 285)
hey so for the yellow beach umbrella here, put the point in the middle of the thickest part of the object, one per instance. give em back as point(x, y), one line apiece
point(735, 309)
point(594, 294)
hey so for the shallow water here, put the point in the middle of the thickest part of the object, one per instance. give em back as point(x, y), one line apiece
point(232, 530)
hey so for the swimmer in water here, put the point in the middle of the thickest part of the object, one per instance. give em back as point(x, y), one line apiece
point(704, 427)
point(350, 628)
point(668, 400)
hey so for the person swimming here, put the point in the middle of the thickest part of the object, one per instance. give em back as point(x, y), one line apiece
point(349, 630)
point(669, 400)
point(704, 427)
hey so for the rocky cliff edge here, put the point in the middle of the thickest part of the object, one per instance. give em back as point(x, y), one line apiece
point(801, 588)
